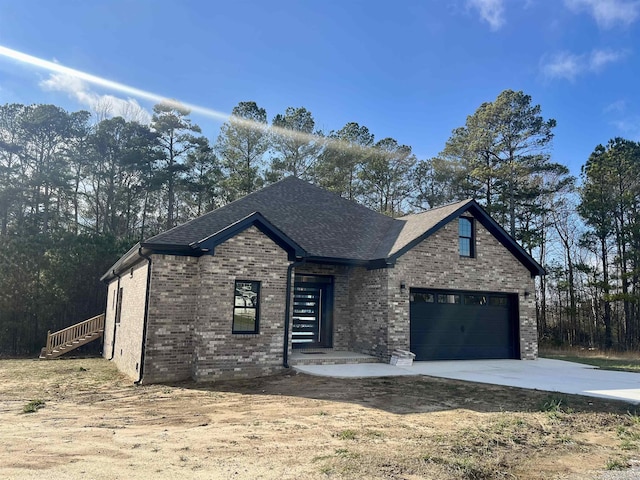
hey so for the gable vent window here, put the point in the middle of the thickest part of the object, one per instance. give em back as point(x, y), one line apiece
point(465, 237)
point(246, 307)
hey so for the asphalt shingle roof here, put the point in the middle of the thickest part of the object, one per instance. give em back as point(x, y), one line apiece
point(405, 230)
point(321, 222)
point(324, 225)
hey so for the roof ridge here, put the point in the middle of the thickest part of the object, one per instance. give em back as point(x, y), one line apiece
point(466, 200)
point(352, 202)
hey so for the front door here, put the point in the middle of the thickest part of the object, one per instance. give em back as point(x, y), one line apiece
point(312, 311)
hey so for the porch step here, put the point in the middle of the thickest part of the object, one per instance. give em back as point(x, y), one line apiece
point(329, 357)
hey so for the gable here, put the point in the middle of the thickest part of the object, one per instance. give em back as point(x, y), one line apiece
point(436, 263)
point(256, 219)
point(436, 219)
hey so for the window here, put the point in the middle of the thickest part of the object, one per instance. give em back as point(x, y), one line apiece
point(246, 302)
point(475, 299)
point(498, 301)
point(465, 237)
point(119, 306)
point(448, 298)
point(423, 298)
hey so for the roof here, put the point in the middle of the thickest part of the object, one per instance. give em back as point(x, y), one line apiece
point(321, 222)
point(312, 223)
point(412, 227)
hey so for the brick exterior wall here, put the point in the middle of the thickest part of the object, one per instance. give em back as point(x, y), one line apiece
point(219, 353)
point(170, 323)
point(368, 300)
point(127, 350)
point(436, 263)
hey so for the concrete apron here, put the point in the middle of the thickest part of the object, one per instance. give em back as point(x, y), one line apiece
point(542, 374)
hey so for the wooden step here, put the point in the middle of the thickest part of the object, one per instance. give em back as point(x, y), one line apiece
point(70, 338)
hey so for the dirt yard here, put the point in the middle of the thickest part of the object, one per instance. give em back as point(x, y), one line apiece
point(89, 422)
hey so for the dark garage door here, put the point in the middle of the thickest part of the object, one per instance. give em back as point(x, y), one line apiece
point(454, 325)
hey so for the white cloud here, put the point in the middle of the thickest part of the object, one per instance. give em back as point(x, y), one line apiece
point(491, 11)
point(608, 13)
point(619, 106)
point(562, 65)
point(570, 65)
point(629, 127)
point(623, 119)
point(601, 58)
point(103, 106)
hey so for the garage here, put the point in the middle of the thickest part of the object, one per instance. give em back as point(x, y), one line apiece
point(456, 325)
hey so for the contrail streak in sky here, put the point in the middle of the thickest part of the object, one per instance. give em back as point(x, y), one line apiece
point(103, 82)
point(154, 97)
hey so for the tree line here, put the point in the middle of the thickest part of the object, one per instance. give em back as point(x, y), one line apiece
point(76, 193)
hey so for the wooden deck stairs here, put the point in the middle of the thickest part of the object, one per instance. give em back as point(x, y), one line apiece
point(70, 338)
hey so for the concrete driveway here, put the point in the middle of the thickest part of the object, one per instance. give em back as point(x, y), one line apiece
point(542, 374)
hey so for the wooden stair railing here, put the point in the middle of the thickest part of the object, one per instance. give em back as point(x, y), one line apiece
point(70, 338)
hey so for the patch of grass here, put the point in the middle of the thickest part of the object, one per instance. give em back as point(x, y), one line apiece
point(344, 453)
point(326, 470)
point(347, 434)
point(627, 445)
point(566, 439)
point(632, 434)
point(33, 406)
point(618, 361)
point(634, 418)
point(468, 468)
point(616, 464)
point(629, 437)
point(555, 406)
point(465, 468)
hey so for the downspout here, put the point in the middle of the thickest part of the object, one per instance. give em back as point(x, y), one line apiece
point(287, 312)
point(146, 314)
point(113, 337)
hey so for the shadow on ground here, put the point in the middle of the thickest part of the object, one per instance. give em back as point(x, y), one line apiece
point(414, 394)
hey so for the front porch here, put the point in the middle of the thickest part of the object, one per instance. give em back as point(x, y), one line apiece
point(328, 356)
point(337, 315)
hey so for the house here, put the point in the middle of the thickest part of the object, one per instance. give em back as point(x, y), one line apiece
point(235, 292)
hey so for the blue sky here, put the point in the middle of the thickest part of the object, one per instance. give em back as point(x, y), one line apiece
point(412, 70)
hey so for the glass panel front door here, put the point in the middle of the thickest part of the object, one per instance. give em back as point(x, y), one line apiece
point(312, 304)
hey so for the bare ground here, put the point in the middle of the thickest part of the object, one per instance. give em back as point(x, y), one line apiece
point(96, 424)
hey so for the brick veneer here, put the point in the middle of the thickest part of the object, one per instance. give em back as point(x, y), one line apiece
point(191, 310)
point(170, 321)
point(218, 353)
point(436, 263)
point(128, 333)
point(368, 297)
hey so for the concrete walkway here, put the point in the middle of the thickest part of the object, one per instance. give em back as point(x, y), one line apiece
point(542, 374)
